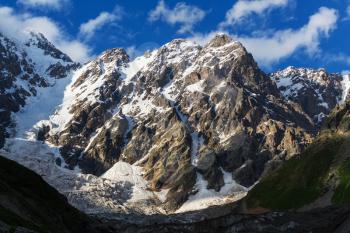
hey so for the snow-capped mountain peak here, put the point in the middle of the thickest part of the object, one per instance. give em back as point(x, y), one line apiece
point(28, 71)
point(38, 40)
point(316, 91)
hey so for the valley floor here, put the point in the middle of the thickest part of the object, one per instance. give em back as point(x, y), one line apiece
point(223, 220)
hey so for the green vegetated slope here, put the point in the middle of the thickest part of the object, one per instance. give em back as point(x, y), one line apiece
point(342, 192)
point(26, 201)
point(324, 167)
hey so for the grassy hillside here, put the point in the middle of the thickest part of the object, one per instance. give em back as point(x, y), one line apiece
point(323, 168)
point(342, 192)
point(304, 179)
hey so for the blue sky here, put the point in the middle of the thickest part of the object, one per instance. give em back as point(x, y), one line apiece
point(278, 33)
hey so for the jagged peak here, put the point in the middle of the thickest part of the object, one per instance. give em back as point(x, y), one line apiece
point(40, 41)
point(6, 42)
point(178, 45)
point(320, 74)
point(294, 69)
point(114, 51)
point(180, 41)
point(118, 55)
point(219, 40)
point(39, 37)
point(224, 44)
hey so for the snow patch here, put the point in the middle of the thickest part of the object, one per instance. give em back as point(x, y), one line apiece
point(204, 198)
point(346, 87)
point(119, 190)
point(196, 87)
point(197, 142)
point(71, 95)
point(39, 108)
point(124, 172)
point(137, 65)
point(168, 91)
point(140, 106)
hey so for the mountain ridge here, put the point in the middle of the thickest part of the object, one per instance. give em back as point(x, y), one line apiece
point(189, 122)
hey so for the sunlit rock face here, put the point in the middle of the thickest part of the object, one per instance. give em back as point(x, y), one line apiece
point(180, 128)
point(183, 113)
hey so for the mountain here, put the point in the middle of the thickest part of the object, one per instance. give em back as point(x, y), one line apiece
point(316, 91)
point(188, 115)
point(27, 67)
point(319, 177)
point(180, 128)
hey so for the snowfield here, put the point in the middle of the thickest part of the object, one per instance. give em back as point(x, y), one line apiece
point(205, 197)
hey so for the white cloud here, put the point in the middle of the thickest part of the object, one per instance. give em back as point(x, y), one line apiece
point(89, 28)
point(336, 58)
point(77, 50)
point(345, 72)
point(18, 25)
point(184, 15)
point(347, 17)
point(284, 43)
point(53, 4)
point(243, 8)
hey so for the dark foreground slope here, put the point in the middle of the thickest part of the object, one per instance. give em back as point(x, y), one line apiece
point(29, 204)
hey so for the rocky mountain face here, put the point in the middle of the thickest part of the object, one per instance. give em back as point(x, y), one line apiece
point(316, 91)
point(26, 67)
point(164, 132)
point(184, 113)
